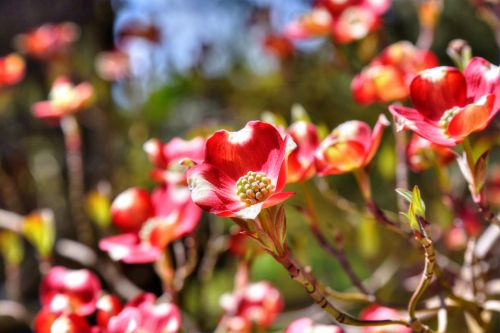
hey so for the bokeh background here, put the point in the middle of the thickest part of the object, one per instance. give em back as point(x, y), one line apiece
point(202, 65)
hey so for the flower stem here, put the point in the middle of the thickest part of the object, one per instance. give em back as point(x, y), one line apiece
point(430, 261)
point(73, 143)
point(312, 219)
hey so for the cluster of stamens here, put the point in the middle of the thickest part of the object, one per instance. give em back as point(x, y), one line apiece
point(254, 187)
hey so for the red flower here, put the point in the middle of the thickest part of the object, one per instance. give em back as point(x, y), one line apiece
point(174, 216)
point(387, 77)
point(11, 69)
point(167, 157)
point(375, 312)
point(143, 314)
point(48, 322)
point(423, 154)
point(304, 325)
point(259, 303)
point(131, 209)
point(107, 307)
point(350, 146)
point(74, 290)
point(300, 164)
point(347, 21)
point(242, 172)
point(448, 105)
point(48, 40)
point(64, 99)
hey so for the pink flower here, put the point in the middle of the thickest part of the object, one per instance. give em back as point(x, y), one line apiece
point(48, 40)
point(48, 322)
point(174, 215)
point(375, 312)
point(258, 303)
point(107, 307)
point(64, 99)
point(112, 65)
point(242, 172)
point(423, 154)
point(64, 290)
point(300, 162)
point(450, 105)
point(350, 146)
point(143, 314)
point(167, 157)
point(306, 325)
point(346, 21)
point(12, 69)
point(387, 77)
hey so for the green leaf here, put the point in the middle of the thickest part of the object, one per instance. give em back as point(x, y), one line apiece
point(405, 194)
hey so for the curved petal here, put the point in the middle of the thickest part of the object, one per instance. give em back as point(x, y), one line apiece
point(178, 149)
point(474, 117)
point(435, 90)
point(46, 111)
point(213, 190)
point(482, 78)
point(354, 23)
point(378, 130)
point(276, 199)
point(129, 249)
point(300, 162)
point(258, 146)
point(408, 118)
point(336, 157)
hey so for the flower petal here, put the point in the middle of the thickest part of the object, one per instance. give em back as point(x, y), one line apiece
point(409, 118)
point(435, 90)
point(129, 249)
point(474, 117)
point(258, 146)
point(378, 130)
point(336, 157)
point(482, 78)
point(213, 190)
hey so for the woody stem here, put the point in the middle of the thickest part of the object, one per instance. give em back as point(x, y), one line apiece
point(73, 142)
point(318, 293)
point(312, 219)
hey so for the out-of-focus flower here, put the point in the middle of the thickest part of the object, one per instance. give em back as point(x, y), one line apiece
point(12, 69)
point(387, 77)
point(133, 29)
point(39, 230)
point(423, 154)
point(48, 40)
point(64, 99)
point(113, 65)
point(258, 303)
point(143, 314)
point(278, 45)
point(346, 21)
point(167, 158)
point(242, 173)
point(306, 325)
point(300, 162)
point(375, 312)
point(48, 322)
point(450, 105)
point(350, 146)
point(108, 306)
point(131, 209)
point(174, 215)
point(70, 291)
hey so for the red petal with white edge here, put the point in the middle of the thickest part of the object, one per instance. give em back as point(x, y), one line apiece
point(352, 130)
point(435, 90)
point(129, 249)
point(258, 146)
point(213, 190)
point(483, 78)
point(409, 118)
point(472, 118)
point(378, 130)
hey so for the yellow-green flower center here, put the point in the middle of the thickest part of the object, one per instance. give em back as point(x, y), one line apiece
point(254, 187)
